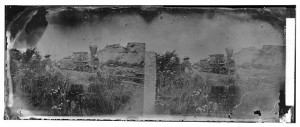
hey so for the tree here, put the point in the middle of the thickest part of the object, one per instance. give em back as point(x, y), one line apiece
point(168, 67)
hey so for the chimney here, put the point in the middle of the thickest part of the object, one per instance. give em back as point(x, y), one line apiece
point(229, 52)
point(93, 50)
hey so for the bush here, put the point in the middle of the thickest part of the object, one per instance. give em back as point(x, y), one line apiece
point(168, 67)
point(45, 91)
point(42, 89)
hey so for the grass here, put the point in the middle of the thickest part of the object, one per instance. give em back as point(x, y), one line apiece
point(55, 95)
point(250, 89)
point(202, 95)
point(106, 95)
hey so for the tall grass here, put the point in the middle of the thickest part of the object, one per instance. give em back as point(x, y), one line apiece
point(106, 95)
point(51, 92)
point(199, 95)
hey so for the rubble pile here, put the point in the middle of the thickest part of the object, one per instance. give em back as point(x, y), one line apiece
point(133, 53)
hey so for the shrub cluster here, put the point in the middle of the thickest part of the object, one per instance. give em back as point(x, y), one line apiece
point(42, 89)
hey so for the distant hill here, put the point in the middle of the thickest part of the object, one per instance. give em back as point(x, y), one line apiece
point(268, 55)
point(133, 53)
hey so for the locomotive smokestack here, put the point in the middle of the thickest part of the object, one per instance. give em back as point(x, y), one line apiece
point(229, 52)
point(93, 49)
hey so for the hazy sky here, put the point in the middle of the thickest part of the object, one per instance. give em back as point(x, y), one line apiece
point(194, 35)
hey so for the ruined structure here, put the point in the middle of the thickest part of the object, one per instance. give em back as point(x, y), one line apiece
point(133, 53)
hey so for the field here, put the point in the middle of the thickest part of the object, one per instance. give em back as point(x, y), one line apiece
point(225, 96)
point(55, 92)
point(252, 92)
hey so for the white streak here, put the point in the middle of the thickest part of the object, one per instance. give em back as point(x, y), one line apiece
point(241, 100)
point(290, 62)
point(8, 74)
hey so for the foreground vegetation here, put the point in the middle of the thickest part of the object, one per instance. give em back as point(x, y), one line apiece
point(54, 94)
point(185, 93)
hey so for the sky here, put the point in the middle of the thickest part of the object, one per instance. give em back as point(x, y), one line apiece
point(195, 35)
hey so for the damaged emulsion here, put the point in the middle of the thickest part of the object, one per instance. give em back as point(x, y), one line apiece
point(71, 17)
point(33, 29)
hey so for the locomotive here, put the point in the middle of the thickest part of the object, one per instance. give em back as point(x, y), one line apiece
point(217, 63)
point(80, 61)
